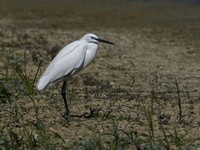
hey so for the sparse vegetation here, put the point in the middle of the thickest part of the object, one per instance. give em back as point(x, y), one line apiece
point(144, 91)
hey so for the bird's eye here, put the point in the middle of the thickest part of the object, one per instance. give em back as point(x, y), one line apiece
point(93, 38)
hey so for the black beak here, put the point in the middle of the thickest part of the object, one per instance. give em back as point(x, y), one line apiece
point(104, 41)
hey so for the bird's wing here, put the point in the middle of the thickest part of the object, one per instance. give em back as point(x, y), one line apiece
point(67, 49)
point(62, 53)
point(62, 65)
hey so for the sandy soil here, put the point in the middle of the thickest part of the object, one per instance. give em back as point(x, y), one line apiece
point(145, 73)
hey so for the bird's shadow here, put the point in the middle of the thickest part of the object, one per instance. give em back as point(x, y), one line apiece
point(93, 113)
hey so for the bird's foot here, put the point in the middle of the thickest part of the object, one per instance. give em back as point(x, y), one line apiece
point(65, 115)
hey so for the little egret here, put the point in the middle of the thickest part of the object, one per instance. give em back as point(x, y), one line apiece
point(70, 60)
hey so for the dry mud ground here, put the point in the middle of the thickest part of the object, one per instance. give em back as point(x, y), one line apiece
point(145, 89)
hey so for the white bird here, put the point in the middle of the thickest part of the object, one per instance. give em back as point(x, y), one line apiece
point(70, 60)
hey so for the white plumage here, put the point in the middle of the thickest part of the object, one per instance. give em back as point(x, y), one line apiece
point(71, 59)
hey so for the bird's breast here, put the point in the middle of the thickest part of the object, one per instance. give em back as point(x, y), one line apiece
point(90, 53)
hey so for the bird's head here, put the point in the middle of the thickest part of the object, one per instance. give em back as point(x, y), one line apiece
point(92, 38)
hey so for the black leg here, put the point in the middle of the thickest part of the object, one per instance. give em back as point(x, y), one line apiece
point(63, 93)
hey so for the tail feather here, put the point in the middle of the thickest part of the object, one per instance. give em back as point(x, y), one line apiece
point(42, 83)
